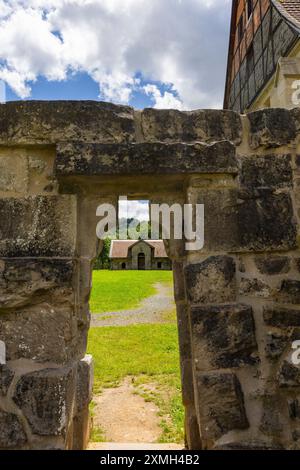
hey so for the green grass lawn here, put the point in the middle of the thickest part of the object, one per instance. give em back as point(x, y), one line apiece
point(150, 354)
point(119, 290)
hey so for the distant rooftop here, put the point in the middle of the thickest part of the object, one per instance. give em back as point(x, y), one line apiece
point(119, 248)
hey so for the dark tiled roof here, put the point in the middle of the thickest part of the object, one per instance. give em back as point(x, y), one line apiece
point(119, 248)
point(290, 9)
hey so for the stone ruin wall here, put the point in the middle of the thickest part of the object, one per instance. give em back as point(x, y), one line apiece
point(237, 299)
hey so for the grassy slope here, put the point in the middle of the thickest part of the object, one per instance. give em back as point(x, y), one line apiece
point(147, 352)
point(150, 354)
point(120, 290)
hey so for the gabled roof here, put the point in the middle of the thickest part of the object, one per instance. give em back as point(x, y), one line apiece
point(120, 248)
point(290, 10)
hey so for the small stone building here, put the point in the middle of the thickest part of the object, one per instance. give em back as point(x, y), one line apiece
point(139, 254)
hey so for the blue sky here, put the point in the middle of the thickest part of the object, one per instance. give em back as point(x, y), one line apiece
point(160, 53)
point(79, 86)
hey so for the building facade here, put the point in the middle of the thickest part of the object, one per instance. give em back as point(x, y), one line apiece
point(264, 55)
point(139, 254)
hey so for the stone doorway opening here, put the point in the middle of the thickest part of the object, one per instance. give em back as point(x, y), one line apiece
point(134, 343)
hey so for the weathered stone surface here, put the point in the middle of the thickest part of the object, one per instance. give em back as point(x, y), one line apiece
point(289, 375)
point(254, 288)
point(145, 158)
point(178, 276)
point(271, 171)
point(289, 291)
point(276, 344)
point(201, 125)
point(221, 404)
point(37, 226)
point(30, 281)
point(6, 377)
point(192, 433)
point(250, 445)
point(294, 408)
point(46, 399)
point(43, 333)
point(223, 337)
point(183, 323)
point(84, 382)
point(271, 421)
point(11, 431)
point(81, 430)
point(266, 221)
point(281, 317)
point(212, 281)
point(13, 171)
point(272, 265)
point(44, 122)
point(260, 220)
point(271, 128)
point(220, 217)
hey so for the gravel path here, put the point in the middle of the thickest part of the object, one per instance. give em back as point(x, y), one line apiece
point(152, 310)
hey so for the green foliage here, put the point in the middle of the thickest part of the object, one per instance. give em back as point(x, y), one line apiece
point(103, 261)
point(119, 290)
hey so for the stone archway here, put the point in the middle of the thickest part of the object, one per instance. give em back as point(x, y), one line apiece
point(237, 299)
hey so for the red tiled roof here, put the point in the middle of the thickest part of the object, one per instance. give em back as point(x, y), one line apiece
point(119, 248)
point(290, 9)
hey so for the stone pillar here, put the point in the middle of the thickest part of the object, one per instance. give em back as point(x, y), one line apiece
point(243, 295)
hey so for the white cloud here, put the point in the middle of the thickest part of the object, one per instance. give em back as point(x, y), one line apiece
point(162, 100)
point(134, 209)
point(180, 43)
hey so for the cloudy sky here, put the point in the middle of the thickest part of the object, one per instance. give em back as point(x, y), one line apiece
point(161, 53)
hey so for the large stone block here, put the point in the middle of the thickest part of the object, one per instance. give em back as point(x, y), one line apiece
point(272, 265)
point(271, 128)
point(145, 158)
point(221, 405)
point(31, 281)
point(6, 377)
point(84, 383)
point(201, 125)
point(220, 217)
point(266, 221)
point(49, 122)
point(289, 375)
point(46, 398)
point(223, 336)
point(254, 288)
point(12, 434)
point(272, 417)
point(281, 317)
point(211, 281)
point(271, 171)
point(37, 226)
point(276, 343)
point(289, 292)
point(43, 332)
point(13, 171)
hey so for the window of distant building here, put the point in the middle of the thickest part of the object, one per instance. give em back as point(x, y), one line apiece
point(249, 8)
point(159, 265)
point(240, 29)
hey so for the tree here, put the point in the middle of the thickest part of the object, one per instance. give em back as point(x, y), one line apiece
point(103, 261)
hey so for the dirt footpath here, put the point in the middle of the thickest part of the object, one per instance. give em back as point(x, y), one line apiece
point(152, 310)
